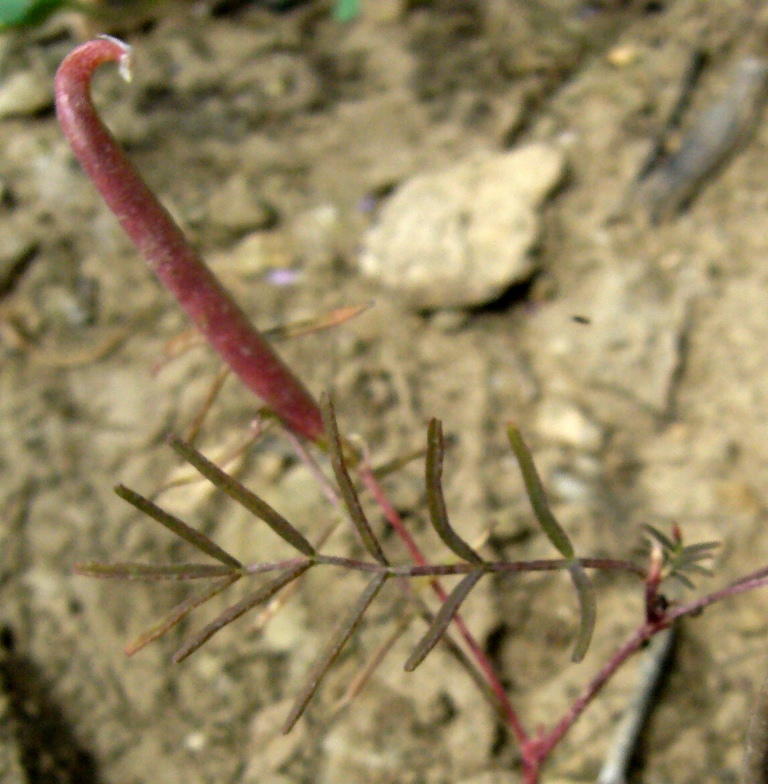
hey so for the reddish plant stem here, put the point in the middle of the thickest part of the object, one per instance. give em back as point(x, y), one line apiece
point(751, 582)
point(631, 646)
point(531, 773)
point(539, 749)
point(163, 245)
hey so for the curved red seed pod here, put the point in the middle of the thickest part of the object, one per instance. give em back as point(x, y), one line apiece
point(163, 245)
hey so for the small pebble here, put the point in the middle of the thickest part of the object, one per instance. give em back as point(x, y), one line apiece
point(569, 487)
point(623, 55)
point(283, 277)
point(24, 93)
point(563, 422)
point(195, 741)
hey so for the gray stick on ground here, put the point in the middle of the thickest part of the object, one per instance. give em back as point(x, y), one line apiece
point(624, 744)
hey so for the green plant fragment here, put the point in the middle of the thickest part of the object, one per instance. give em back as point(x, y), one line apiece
point(681, 578)
point(701, 549)
point(27, 13)
point(679, 558)
point(660, 537)
point(346, 10)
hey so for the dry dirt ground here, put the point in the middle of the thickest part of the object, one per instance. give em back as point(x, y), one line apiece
point(290, 130)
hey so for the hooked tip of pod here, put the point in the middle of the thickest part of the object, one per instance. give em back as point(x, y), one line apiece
point(124, 58)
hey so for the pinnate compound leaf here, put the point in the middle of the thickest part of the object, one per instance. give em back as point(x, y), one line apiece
point(178, 613)
point(234, 612)
point(243, 496)
point(326, 659)
point(444, 616)
point(152, 572)
point(679, 558)
point(176, 526)
point(538, 499)
point(346, 488)
point(438, 513)
point(585, 591)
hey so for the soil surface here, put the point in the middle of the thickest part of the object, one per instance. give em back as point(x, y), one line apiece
point(635, 361)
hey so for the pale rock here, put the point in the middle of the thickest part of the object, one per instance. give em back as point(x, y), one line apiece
point(569, 487)
point(461, 236)
point(563, 422)
point(24, 93)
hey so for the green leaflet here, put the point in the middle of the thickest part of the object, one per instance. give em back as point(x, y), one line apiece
point(585, 590)
point(435, 501)
point(533, 487)
point(560, 539)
